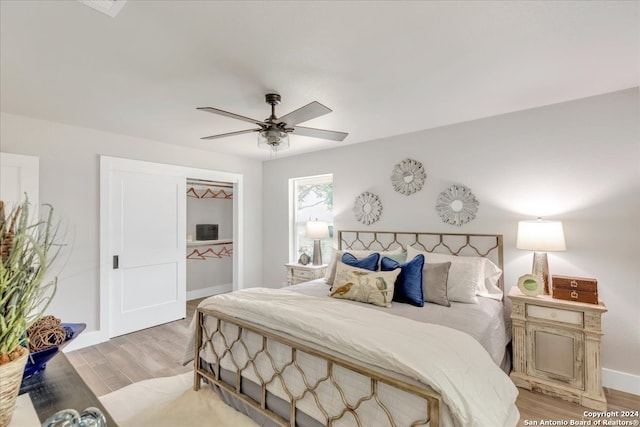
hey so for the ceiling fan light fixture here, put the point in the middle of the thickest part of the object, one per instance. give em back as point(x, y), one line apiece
point(273, 140)
point(273, 132)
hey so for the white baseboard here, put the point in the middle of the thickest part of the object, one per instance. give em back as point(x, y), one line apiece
point(622, 381)
point(207, 292)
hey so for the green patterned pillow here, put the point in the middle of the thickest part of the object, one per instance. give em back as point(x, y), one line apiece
point(358, 284)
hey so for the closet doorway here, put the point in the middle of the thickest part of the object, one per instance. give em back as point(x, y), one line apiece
point(209, 237)
point(143, 241)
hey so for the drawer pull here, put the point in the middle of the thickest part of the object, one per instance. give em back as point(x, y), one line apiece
point(573, 284)
point(574, 295)
point(553, 315)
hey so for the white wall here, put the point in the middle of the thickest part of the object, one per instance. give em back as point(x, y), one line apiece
point(578, 162)
point(69, 180)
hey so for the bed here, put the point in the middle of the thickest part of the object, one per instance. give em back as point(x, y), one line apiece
point(298, 357)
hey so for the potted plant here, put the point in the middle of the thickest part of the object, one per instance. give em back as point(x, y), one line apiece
point(27, 248)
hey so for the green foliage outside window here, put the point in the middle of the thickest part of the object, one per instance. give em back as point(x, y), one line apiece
point(323, 194)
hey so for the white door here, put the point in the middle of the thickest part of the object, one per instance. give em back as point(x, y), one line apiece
point(19, 175)
point(147, 283)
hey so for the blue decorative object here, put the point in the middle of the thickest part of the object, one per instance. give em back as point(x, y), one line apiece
point(369, 262)
point(37, 361)
point(408, 286)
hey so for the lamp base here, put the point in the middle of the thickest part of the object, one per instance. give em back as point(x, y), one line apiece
point(317, 253)
point(541, 268)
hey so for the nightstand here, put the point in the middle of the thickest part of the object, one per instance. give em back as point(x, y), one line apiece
point(556, 348)
point(298, 273)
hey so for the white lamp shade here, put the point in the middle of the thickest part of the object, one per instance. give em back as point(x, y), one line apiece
point(543, 236)
point(317, 229)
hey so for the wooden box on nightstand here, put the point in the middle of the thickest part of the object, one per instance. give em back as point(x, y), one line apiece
point(298, 273)
point(556, 348)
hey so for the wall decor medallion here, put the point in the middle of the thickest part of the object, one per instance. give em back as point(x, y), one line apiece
point(408, 176)
point(367, 208)
point(457, 205)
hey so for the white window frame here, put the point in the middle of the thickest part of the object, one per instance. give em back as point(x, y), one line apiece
point(293, 220)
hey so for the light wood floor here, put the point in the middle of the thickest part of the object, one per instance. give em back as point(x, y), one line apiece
point(157, 352)
point(151, 353)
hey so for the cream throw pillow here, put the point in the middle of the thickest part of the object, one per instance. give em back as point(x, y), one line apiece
point(358, 284)
point(484, 272)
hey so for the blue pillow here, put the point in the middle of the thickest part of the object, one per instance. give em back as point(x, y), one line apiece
point(369, 262)
point(408, 286)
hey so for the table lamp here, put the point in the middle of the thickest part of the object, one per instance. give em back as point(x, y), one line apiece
point(541, 237)
point(317, 230)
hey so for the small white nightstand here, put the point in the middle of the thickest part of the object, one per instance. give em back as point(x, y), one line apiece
point(556, 348)
point(298, 273)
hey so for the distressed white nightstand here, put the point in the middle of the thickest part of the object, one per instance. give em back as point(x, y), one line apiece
point(298, 273)
point(556, 348)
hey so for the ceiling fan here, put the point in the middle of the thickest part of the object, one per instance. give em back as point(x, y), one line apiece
point(273, 131)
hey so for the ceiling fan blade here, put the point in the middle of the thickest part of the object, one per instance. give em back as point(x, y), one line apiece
point(223, 135)
point(302, 114)
point(232, 115)
point(320, 133)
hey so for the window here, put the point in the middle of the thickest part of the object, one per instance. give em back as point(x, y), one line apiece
point(310, 198)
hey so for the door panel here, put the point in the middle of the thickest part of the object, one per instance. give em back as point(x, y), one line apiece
point(19, 174)
point(555, 354)
point(150, 207)
point(149, 286)
point(147, 233)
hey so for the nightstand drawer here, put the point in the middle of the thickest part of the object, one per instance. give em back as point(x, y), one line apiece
point(555, 314)
point(305, 274)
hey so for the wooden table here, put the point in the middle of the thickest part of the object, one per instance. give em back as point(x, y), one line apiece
point(60, 387)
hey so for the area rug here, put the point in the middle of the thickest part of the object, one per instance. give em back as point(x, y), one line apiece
point(171, 402)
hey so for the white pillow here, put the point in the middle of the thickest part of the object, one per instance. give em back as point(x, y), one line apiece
point(488, 272)
point(337, 257)
point(468, 276)
point(492, 274)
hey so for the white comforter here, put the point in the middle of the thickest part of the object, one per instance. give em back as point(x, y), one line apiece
point(475, 390)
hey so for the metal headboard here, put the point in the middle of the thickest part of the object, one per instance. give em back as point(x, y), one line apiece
point(484, 245)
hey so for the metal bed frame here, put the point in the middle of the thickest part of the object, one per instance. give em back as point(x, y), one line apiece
point(484, 245)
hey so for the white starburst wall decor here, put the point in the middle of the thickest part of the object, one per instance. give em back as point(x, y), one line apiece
point(367, 208)
point(457, 205)
point(408, 176)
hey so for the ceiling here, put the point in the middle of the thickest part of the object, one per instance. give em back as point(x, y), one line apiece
point(385, 68)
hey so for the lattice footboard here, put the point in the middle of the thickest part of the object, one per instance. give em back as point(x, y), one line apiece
point(307, 379)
